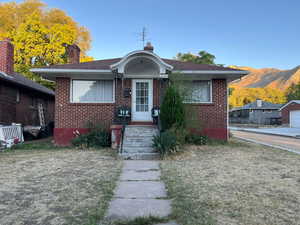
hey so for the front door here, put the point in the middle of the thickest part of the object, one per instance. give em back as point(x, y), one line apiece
point(142, 96)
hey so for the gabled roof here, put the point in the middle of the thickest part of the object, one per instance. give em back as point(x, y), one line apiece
point(106, 63)
point(20, 80)
point(253, 105)
point(293, 101)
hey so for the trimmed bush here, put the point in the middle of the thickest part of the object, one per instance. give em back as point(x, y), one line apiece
point(196, 139)
point(165, 143)
point(98, 137)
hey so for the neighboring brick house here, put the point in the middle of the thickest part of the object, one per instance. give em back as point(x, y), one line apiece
point(19, 96)
point(257, 112)
point(291, 113)
point(93, 91)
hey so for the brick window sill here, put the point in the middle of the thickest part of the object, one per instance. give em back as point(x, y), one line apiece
point(201, 104)
point(91, 104)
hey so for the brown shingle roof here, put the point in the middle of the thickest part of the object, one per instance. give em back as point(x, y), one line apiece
point(105, 65)
point(20, 80)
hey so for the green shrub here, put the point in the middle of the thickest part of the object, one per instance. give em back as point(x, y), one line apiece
point(165, 143)
point(196, 139)
point(180, 133)
point(98, 137)
point(172, 109)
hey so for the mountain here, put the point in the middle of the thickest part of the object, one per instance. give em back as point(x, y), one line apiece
point(268, 77)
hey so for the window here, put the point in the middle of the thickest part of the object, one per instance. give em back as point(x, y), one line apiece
point(92, 91)
point(198, 92)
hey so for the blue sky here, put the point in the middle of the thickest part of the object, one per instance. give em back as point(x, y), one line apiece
point(254, 33)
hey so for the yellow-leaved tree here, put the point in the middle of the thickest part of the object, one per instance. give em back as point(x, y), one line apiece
point(242, 96)
point(40, 35)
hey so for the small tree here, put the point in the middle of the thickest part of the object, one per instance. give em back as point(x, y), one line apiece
point(172, 111)
point(293, 92)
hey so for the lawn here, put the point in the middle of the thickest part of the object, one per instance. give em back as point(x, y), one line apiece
point(41, 184)
point(235, 183)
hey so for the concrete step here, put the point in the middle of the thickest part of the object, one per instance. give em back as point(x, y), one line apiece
point(139, 131)
point(139, 138)
point(135, 149)
point(137, 144)
point(139, 156)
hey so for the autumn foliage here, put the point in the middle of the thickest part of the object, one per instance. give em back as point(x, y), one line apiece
point(40, 35)
point(242, 96)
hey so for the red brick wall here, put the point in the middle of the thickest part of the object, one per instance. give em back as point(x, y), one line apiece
point(213, 116)
point(76, 115)
point(285, 112)
point(72, 116)
point(22, 112)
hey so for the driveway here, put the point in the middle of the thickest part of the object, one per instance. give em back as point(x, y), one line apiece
point(282, 131)
point(286, 143)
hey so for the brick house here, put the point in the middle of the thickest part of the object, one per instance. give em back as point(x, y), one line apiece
point(290, 113)
point(93, 91)
point(19, 96)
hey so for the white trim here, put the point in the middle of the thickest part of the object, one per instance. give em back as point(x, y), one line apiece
point(146, 76)
point(290, 124)
point(71, 92)
point(285, 105)
point(211, 95)
point(142, 52)
point(49, 70)
point(6, 75)
point(210, 72)
point(150, 103)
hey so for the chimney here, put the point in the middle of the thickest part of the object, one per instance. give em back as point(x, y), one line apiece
point(6, 56)
point(149, 47)
point(73, 54)
point(259, 103)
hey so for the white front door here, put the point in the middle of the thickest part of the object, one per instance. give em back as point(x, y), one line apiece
point(142, 96)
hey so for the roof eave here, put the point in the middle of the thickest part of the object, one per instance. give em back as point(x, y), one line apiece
point(26, 87)
point(285, 105)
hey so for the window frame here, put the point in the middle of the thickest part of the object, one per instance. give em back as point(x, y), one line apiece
point(211, 96)
point(91, 102)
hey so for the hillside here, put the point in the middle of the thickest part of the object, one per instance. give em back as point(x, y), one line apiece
point(268, 77)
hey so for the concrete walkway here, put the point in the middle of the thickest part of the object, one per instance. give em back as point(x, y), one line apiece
point(140, 192)
point(280, 131)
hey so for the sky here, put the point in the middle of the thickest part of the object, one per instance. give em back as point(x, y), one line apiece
point(254, 33)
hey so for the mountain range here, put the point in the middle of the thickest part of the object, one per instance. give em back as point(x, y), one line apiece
point(268, 77)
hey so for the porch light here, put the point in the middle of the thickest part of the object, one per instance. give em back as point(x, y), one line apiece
point(155, 111)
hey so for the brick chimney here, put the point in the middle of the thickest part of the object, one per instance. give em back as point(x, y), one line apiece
point(149, 47)
point(73, 54)
point(6, 56)
point(259, 103)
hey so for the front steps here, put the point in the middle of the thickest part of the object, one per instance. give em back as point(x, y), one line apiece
point(137, 142)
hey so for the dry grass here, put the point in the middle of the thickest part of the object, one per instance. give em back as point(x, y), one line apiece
point(234, 184)
point(55, 187)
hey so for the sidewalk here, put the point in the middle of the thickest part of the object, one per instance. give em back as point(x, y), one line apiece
point(140, 193)
point(282, 131)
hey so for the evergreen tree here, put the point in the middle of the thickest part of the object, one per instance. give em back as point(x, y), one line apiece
point(172, 111)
